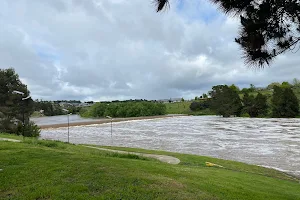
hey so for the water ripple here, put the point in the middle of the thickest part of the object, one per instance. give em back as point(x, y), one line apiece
point(268, 142)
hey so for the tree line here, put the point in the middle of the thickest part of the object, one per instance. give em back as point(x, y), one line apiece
point(280, 102)
point(50, 108)
point(124, 109)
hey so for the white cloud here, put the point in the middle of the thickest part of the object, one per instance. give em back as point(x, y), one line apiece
point(104, 49)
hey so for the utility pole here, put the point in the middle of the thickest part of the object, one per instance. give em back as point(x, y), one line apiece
point(111, 138)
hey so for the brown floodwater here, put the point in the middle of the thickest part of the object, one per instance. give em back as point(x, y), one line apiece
point(271, 143)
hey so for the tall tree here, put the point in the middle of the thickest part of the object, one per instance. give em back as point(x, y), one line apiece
point(296, 82)
point(271, 85)
point(268, 27)
point(225, 101)
point(284, 102)
point(235, 88)
point(261, 105)
point(286, 84)
point(12, 107)
point(248, 104)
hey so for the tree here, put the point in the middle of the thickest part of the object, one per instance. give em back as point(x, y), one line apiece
point(199, 105)
point(124, 109)
point(252, 88)
point(296, 82)
point(13, 110)
point(284, 102)
point(245, 90)
point(235, 88)
point(286, 85)
point(248, 104)
point(271, 86)
point(225, 101)
point(204, 96)
point(261, 104)
point(268, 27)
point(255, 106)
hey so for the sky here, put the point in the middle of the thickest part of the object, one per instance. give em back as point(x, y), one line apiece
point(122, 49)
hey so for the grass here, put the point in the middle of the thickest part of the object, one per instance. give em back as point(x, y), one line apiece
point(55, 170)
point(178, 107)
point(184, 108)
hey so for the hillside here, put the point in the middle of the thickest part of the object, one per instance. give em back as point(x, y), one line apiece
point(54, 170)
point(184, 108)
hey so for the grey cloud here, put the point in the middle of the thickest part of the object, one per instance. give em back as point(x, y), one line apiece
point(115, 49)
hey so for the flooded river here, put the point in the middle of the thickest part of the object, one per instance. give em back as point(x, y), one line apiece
point(268, 142)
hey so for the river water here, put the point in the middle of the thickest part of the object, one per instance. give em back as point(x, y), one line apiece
point(268, 142)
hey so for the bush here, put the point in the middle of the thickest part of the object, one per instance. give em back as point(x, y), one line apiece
point(197, 106)
point(245, 115)
point(124, 109)
point(29, 130)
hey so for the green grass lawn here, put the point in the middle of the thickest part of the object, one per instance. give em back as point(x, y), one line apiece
point(184, 108)
point(37, 169)
point(178, 107)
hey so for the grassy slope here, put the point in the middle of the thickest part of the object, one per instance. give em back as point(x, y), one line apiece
point(269, 93)
point(54, 170)
point(184, 108)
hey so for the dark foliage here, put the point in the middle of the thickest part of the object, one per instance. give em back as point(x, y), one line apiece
point(28, 130)
point(13, 110)
point(49, 108)
point(255, 106)
point(225, 101)
point(285, 103)
point(268, 27)
point(199, 105)
point(161, 4)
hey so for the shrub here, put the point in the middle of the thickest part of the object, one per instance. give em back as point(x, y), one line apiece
point(196, 106)
point(124, 109)
point(245, 115)
point(29, 130)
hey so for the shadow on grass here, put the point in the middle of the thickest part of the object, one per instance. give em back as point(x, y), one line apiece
point(128, 156)
point(46, 143)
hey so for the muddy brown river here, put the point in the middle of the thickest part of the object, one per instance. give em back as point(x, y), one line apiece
point(271, 143)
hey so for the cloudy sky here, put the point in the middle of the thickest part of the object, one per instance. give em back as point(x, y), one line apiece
point(123, 49)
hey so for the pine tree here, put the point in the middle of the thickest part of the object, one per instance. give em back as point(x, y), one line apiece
point(267, 29)
point(11, 105)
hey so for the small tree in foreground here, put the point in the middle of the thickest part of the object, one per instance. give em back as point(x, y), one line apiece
point(13, 110)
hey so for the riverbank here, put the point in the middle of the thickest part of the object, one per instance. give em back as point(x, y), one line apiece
point(103, 121)
point(268, 142)
point(56, 170)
